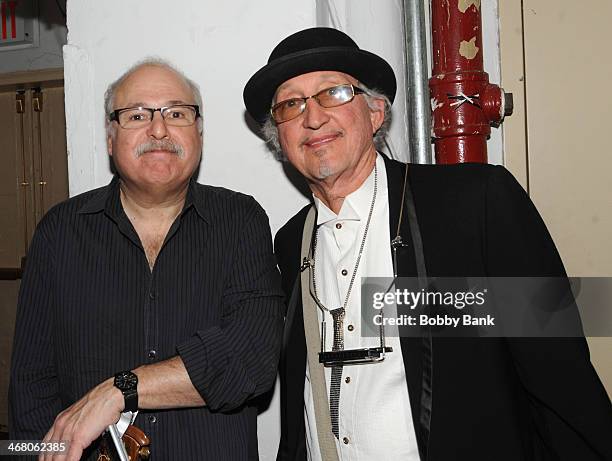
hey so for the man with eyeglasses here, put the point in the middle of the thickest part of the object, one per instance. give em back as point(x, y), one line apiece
point(323, 103)
point(153, 294)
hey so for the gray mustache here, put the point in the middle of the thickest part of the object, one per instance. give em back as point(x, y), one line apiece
point(165, 145)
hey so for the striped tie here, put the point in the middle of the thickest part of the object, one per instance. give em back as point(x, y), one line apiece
point(336, 374)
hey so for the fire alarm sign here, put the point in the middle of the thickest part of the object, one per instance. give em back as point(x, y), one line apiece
point(18, 24)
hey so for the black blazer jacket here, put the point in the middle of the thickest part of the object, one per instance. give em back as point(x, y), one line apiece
point(491, 398)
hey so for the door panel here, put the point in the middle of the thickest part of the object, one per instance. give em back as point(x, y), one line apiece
point(51, 160)
point(12, 230)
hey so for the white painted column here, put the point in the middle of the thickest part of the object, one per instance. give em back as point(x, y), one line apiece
point(490, 39)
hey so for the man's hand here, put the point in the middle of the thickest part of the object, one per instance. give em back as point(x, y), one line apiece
point(83, 422)
point(160, 386)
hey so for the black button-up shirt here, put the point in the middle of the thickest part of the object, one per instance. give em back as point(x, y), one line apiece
point(90, 306)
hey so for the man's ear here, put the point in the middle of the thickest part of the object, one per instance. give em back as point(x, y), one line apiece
point(109, 145)
point(377, 115)
point(109, 140)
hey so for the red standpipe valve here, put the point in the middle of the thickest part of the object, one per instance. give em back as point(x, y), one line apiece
point(464, 104)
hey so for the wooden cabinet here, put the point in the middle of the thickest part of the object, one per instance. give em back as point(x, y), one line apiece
point(33, 168)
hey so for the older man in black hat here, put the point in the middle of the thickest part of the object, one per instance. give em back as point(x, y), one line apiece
point(324, 102)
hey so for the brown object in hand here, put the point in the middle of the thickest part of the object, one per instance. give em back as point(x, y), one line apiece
point(136, 445)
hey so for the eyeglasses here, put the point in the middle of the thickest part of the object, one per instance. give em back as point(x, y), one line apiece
point(139, 117)
point(329, 97)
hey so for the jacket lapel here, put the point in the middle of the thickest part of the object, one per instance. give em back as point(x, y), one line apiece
point(293, 356)
point(412, 348)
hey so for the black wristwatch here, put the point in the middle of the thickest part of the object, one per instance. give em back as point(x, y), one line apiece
point(127, 383)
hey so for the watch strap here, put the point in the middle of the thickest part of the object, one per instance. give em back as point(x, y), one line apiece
point(131, 400)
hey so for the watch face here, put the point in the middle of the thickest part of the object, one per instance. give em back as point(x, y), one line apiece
point(126, 380)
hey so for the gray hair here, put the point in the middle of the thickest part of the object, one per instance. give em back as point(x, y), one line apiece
point(269, 130)
point(151, 61)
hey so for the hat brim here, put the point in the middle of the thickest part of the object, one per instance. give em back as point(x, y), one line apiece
point(366, 67)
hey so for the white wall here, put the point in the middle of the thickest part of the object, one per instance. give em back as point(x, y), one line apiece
point(490, 43)
point(219, 45)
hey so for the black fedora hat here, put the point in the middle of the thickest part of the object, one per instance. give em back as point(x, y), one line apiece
point(310, 50)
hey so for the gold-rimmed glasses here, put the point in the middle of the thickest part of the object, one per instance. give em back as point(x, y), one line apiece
point(334, 96)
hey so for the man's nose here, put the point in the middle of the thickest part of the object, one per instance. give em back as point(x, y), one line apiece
point(314, 116)
point(157, 128)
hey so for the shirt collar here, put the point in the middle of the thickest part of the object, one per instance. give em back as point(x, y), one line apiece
point(107, 199)
point(98, 202)
point(196, 198)
point(355, 207)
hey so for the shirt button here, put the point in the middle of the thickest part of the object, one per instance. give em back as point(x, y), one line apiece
point(338, 226)
point(351, 328)
point(152, 354)
point(152, 419)
point(344, 272)
point(347, 379)
point(152, 294)
point(345, 440)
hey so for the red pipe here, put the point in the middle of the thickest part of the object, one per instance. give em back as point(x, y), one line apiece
point(3, 6)
point(464, 104)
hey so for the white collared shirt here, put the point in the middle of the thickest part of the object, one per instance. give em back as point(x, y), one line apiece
point(375, 421)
